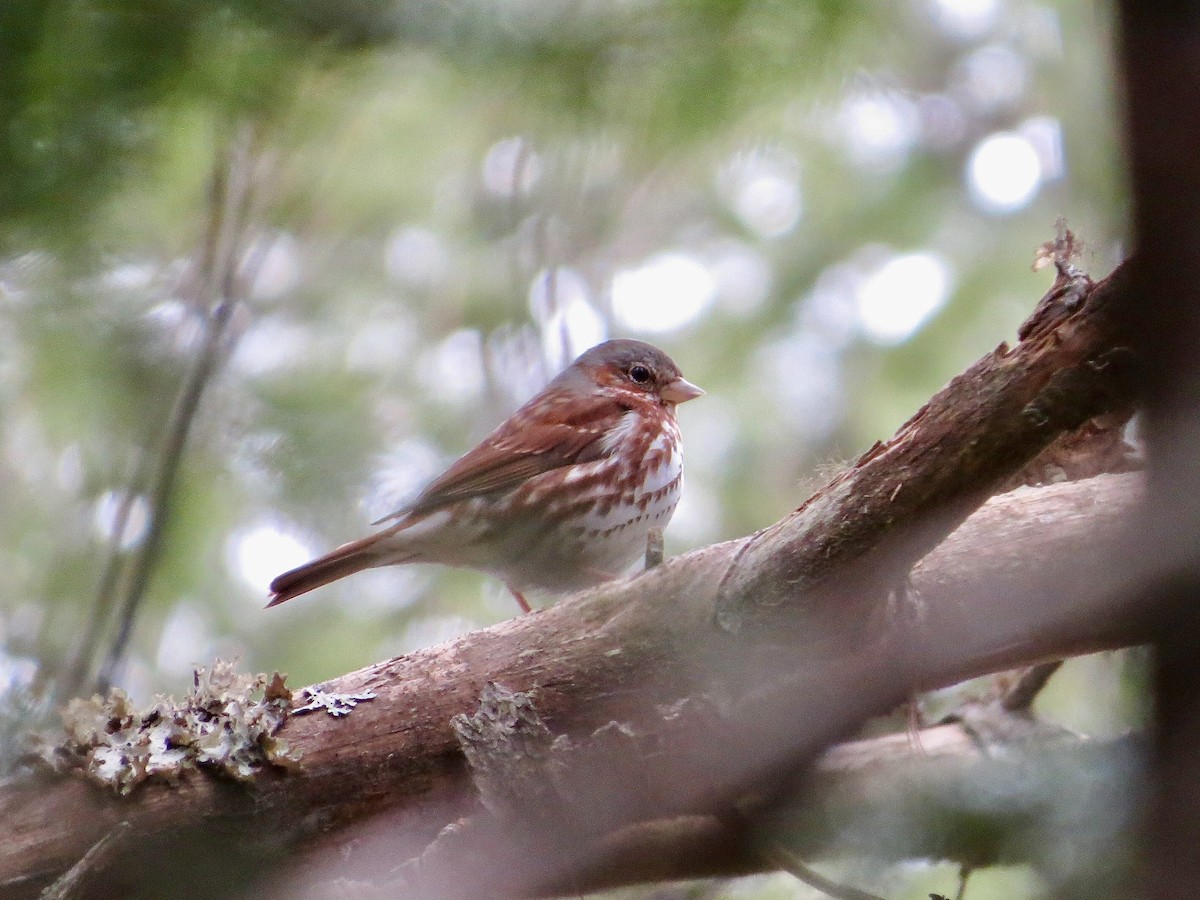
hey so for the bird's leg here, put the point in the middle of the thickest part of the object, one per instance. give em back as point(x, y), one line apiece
point(654, 548)
point(520, 598)
point(905, 603)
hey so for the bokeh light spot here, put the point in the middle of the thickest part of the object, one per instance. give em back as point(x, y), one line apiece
point(879, 129)
point(663, 294)
point(898, 298)
point(964, 19)
point(416, 257)
point(743, 277)
point(276, 269)
point(1004, 173)
point(992, 78)
point(408, 466)
point(804, 377)
point(260, 552)
point(554, 288)
point(453, 370)
point(382, 341)
point(559, 300)
point(137, 522)
point(511, 167)
point(272, 343)
point(769, 205)
point(943, 123)
point(184, 640)
point(1044, 134)
point(762, 188)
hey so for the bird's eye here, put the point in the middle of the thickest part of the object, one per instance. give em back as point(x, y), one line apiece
point(640, 374)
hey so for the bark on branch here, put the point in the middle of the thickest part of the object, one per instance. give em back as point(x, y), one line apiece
point(732, 666)
point(939, 794)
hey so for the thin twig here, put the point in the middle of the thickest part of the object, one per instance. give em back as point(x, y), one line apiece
point(964, 875)
point(228, 199)
point(787, 861)
point(1021, 695)
point(776, 854)
point(73, 883)
point(106, 591)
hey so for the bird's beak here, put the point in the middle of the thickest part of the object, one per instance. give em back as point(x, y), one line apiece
point(680, 391)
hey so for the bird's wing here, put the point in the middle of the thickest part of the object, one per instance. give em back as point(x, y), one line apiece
point(554, 433)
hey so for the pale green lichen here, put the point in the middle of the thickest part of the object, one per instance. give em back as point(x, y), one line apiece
point(227, 725)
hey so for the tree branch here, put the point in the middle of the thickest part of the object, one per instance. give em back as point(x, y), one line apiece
point(399, 750)
point(894, 504)
point(902, 797)
point(820, 629)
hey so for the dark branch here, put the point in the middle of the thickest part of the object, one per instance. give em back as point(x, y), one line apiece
point(1021, 695)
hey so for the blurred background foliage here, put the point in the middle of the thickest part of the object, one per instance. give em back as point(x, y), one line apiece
point(822, 210)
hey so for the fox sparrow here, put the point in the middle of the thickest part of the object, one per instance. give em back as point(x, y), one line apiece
point(560, 497)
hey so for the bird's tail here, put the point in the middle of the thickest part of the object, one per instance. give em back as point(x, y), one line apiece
point(345, 560)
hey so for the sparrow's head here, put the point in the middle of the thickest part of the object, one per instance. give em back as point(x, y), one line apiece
point(639, 368)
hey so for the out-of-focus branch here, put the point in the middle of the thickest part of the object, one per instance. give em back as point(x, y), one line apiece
point(1159, 46)
point(214, 289)
point(1020, 697)
point(80, 666)
point(229, 203)
point(779, 856)
point(901, 797)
